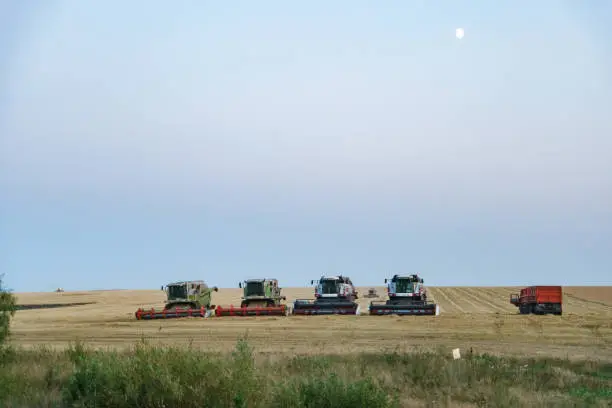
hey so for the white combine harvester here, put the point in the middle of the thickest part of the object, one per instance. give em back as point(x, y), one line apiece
point(407, 296)
point(333, 295)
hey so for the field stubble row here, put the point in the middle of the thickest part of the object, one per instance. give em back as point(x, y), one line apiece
point(479, 318)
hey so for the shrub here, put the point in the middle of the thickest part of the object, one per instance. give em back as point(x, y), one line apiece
point(329, 391)
point(8, 305)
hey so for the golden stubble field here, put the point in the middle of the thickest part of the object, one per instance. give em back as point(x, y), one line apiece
point(478, 318)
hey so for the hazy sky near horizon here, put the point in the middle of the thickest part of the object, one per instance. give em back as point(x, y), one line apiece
point(145, 142)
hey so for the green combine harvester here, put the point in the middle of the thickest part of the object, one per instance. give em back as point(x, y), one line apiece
point(407, 296)
point(184, 299)
point(261, 297)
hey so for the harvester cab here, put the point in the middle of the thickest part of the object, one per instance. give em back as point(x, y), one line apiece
point(410, 286)
point(189, 294)
point(333, 295)
point(407, 296)
point(183, 299)
point(261, 297)
point(261, 292)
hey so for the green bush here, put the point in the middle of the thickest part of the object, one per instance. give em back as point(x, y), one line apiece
point(329, 391)
point(8, 305)
point(158, 377)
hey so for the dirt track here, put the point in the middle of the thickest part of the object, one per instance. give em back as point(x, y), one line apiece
point(481, 318)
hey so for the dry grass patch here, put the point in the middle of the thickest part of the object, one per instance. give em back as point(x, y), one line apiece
point(584, 331)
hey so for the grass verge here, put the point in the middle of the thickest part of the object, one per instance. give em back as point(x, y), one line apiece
point(150, 376)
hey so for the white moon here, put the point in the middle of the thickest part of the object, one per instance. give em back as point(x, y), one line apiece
point(459, 33)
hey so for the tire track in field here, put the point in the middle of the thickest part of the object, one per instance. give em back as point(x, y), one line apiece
point(455, 305)
point(581, 303)
point(596, 303)
point(484, 295)
point(466, 297)
point(575, 305)
point(507, 291)
point(458, 300)
point(502, 296)
point(432, 297)
point(504, 293)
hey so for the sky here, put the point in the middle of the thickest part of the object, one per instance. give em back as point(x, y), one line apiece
point(150, 141)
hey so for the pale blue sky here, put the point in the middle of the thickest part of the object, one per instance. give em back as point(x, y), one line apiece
point(148, 141)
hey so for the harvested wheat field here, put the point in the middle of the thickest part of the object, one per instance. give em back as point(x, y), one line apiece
point(478, 318)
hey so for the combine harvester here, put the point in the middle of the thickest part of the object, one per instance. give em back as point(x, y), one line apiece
point(333, 295)
point(184, 299)
point(262, 297)
point(407, 296)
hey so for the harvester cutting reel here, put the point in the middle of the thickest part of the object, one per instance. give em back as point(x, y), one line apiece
point(424, 309)
point(177, 312)
point(324, 307)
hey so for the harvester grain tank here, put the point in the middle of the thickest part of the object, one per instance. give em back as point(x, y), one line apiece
point(261, 297)
point(333, 295)
point(539, 300)
point(407, 296)
point(184, 299)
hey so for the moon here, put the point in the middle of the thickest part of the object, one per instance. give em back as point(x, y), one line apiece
point(459, 33)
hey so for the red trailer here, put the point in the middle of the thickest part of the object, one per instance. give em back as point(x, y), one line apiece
point(539, 300)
